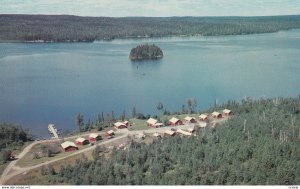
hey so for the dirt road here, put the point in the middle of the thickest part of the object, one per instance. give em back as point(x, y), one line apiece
point(13, 170)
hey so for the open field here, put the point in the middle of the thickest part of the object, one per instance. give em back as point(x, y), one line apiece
point(29, 161)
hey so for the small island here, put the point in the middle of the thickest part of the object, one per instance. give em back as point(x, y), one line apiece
point(145, 52)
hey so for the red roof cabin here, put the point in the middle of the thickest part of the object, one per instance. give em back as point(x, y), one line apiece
point(94, 137)
point(110, 133)
point(69, 146)
point(153, 123)
point(175, 121)
point(216, 115)
point(227, 112)
point(81, 141)
point(120, 125)
point(203, 117)
point(189, 119)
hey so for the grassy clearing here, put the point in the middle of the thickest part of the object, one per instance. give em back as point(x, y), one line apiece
point(34, 176)
point(138, 124)
point(28, 160)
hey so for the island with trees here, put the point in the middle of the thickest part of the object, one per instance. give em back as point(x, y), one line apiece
point(146, 52)
point(67, 28)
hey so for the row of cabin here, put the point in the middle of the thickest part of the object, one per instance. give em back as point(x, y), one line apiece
point(151, 122)
point(226, 113)
point(68, 146)
point(121, 125)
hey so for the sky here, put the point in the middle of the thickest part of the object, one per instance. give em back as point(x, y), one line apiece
point(153, 8)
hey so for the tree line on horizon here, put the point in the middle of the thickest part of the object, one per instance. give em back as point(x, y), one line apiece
point(64, 28)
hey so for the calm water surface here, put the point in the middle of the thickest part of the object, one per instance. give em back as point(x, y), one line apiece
point(51, 83)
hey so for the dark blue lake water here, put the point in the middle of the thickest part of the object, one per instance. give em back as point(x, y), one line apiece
point(51, 83)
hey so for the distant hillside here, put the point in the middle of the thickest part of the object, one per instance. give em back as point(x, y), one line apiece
point(63, 28)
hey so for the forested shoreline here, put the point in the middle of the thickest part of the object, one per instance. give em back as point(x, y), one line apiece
point(258, 146)
point(67, 28)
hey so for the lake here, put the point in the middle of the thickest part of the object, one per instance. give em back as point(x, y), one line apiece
point(43, 83)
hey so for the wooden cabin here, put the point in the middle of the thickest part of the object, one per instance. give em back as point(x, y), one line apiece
point(191, 130)
point(227, 112)
point(216, 115)
point(120, 125)
point(69, 146)
point(110, 132)
point(81, 141)
point(184, 132)
point(151, 122)
point(175, 121)
point(94, 137)
point(203, 117)
point(170, 132)
point(189, 119)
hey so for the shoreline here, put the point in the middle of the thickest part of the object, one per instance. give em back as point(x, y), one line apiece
point(140, 38)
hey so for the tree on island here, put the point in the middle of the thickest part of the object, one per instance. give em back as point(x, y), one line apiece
point(145, 52)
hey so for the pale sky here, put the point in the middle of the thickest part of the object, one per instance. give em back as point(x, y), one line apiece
point(120, 8)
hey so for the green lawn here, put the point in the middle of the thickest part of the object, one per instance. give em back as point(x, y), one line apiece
point(27, 160)
point(137, 124)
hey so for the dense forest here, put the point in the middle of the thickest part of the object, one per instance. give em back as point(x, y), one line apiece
point(259, 145)
point(64, 28)
point(11, 137)
point(145, 52)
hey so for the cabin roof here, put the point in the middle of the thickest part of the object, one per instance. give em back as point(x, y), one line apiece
point(80, 139)
point(174, 120)
point(189, 118)
point(152, 121)
point(118, 124)
point(169, 132)
point(68, 144)
point(226, 111)
point(110, 132)
point(94, 135)
point(158, 124)
point(203, 116)
point(183, 132)
point(215, 113)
